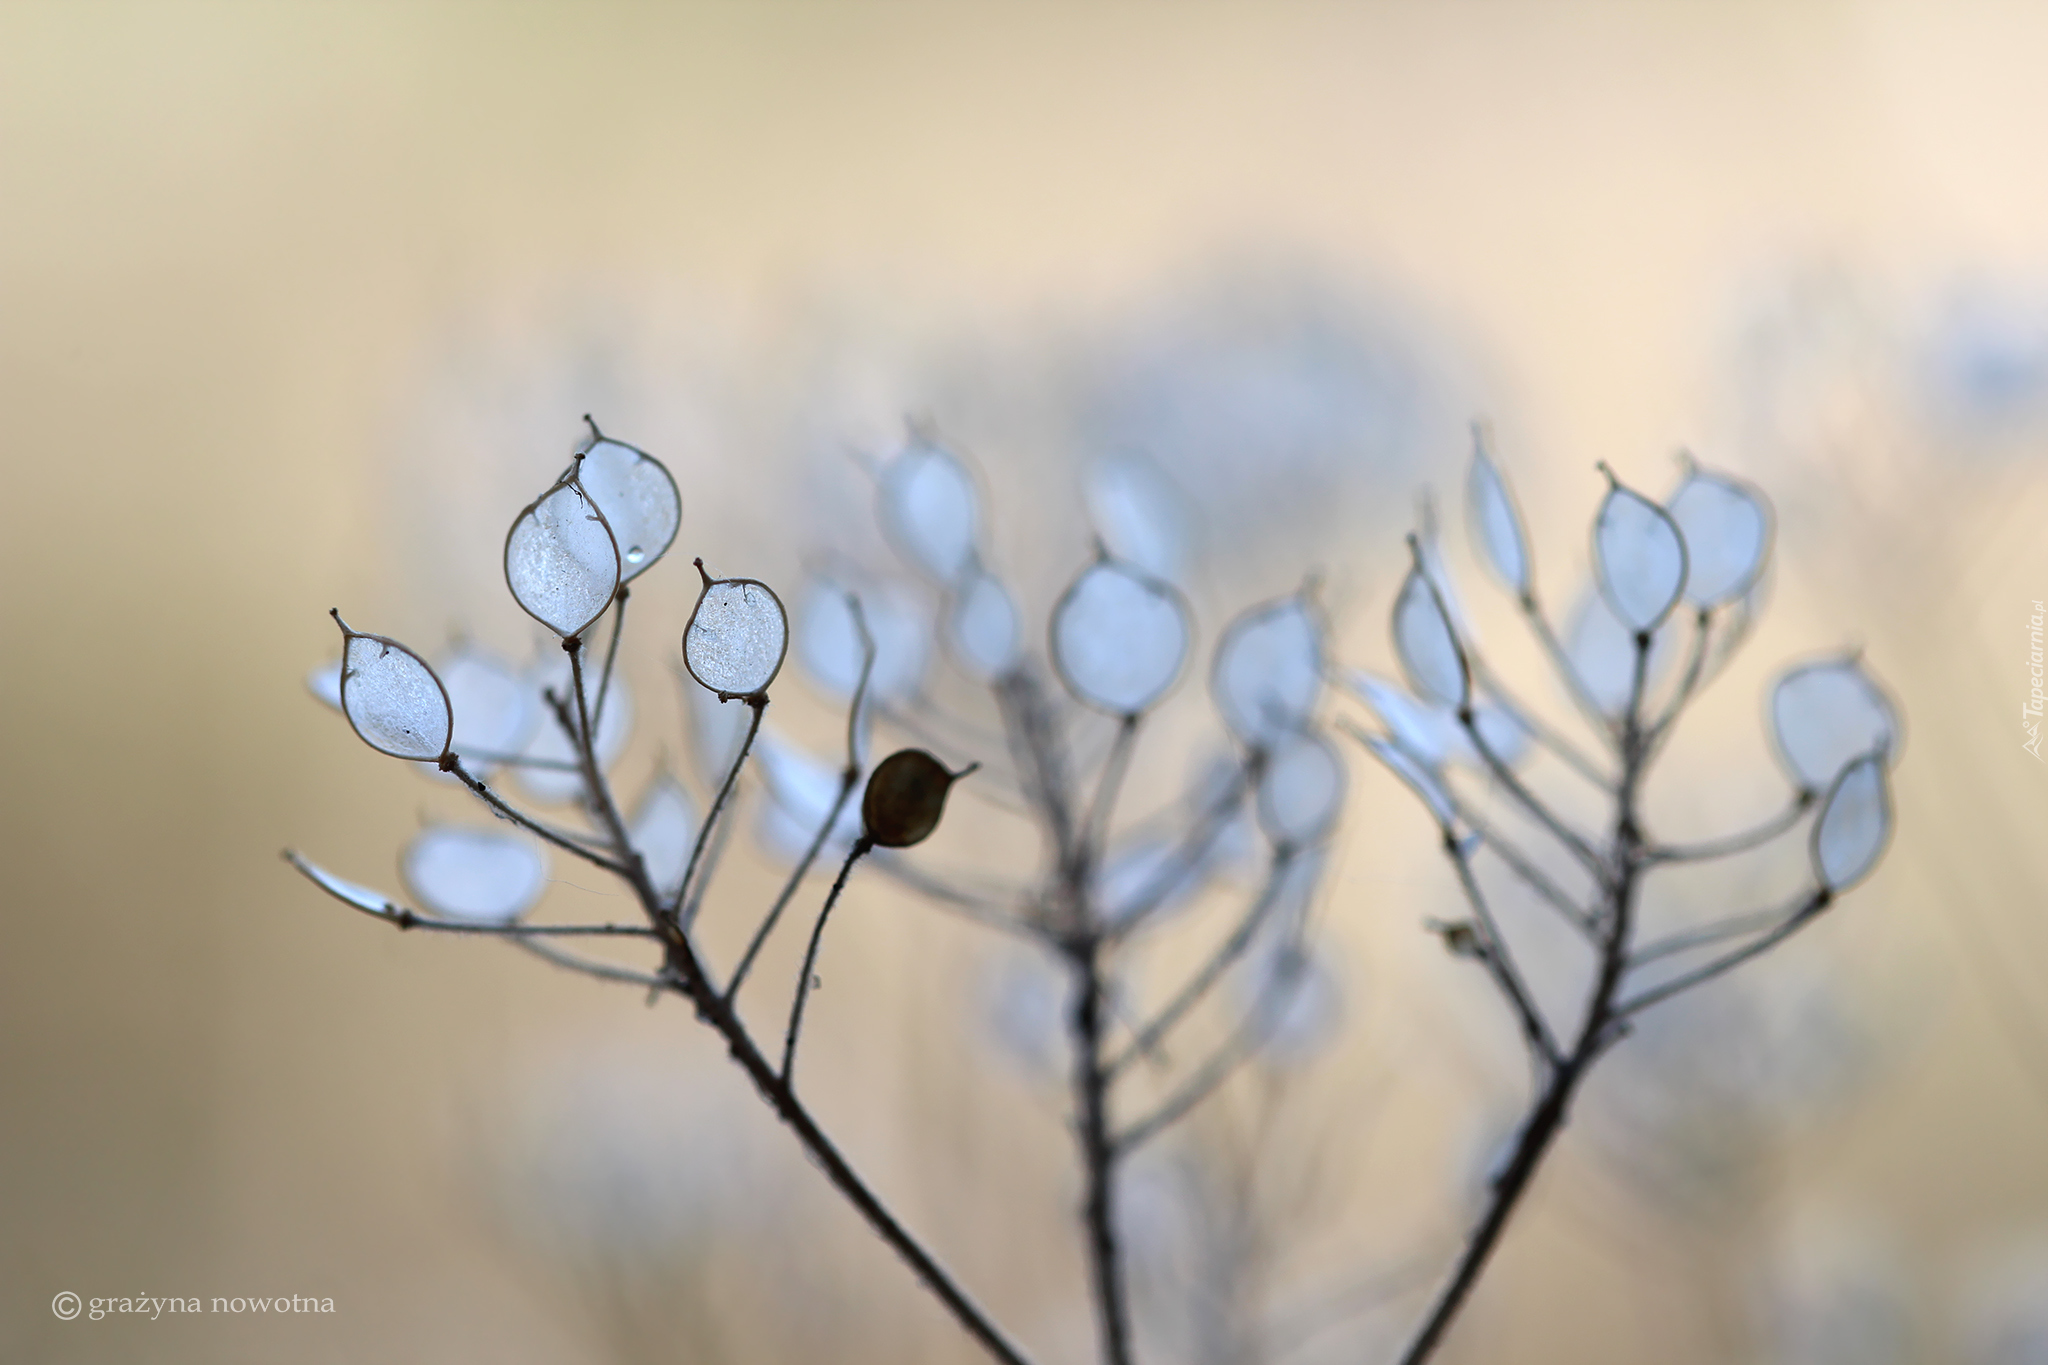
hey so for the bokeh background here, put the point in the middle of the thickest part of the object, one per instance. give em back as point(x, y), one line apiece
point(298, 304)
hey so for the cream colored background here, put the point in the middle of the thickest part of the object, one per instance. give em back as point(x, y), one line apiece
point(240, 244)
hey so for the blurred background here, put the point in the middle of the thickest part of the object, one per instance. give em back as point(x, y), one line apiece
point(299, 305)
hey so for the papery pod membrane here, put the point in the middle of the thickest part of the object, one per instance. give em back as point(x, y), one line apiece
point(1268, 670)
point(930, 507)
point(561, 560)
point(478, 876)
point(638, 498)
point(1854, 825)
point(362, 897)
point(737, 637)
point(392, 698)
point(801, 791)
point(829, 648)
point(1426, 732)
point(1496, 525)
point(663, 828)
point(1726, 524)
point(905, 796)
point(495, 709)
point(984, 629)
point(1411, 770)
point(1602, 652)
point(1639, 558)
point(1826, 714)
point(324, 682)
point(1120, 637)
point(550, 744)
point(1426, 645)
point(1301, 791)
point(1137, 514)
point(1296, 1001)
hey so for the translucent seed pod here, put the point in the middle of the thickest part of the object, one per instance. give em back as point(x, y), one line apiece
point(1301, 791)
point(1120, 637)
point(1602, 653)
point(1137, 514)
point(1825, 715)
point(495, 709)
point(637, 497)
point(736, 638)
point(905, 796)
point(555, 777)
point(930, 508)
point(324, 682)
point(801, 791)
point(1424, 782)
point(1854, 826)
point(664, 830)
point(353, 893)
point(829, 647)
point(1726, 524)
point(1268, 670)
point(561, 560)
point(1496, 525)
point(1427, 646)
point(1639, 558)
point(392, 698)
point(983, 628)
point(479, 876)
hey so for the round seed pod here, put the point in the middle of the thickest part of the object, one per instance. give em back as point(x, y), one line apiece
point(906, 794)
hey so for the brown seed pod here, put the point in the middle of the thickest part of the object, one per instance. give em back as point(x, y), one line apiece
point(906, 795)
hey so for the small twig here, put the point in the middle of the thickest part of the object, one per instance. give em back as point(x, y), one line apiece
point(603, 971)
point(1734, 843)
point(803, 983)
point(1704, 936)
point(1147, 1039)
point(452, 763)
point(1808, 911)
point(1505, 775)
point(759, 706)
point(1561, 661)
point(1500, 963)
point(847, 781)
point(611, 654)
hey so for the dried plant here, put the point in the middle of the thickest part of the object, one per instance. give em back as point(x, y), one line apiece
point(1069, 726)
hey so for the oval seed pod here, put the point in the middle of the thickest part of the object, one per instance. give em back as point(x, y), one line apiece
point(736, 637)
point(1427, 646)
point(494, 708)
point(1827, 714)
point(481, 876)
point(1301, 791)
point(324, 682)
point(1496, 525)
point(828, 641)
point(392, 698)
point(664, 829)
point(1855, 824)
point(905, 796)
point(1119, 637)
point(1268, 670)
point(1727, 529)
point(1602, 652)
point(1137, 514)
point(930, 508)
point(983, 628)
point(1638, 557)
point(638, 498)
point(353, 893)
point(1423, 731)
point(561, 561)
point(1420, 778)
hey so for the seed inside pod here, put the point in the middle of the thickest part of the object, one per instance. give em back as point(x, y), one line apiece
point(906, 795)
